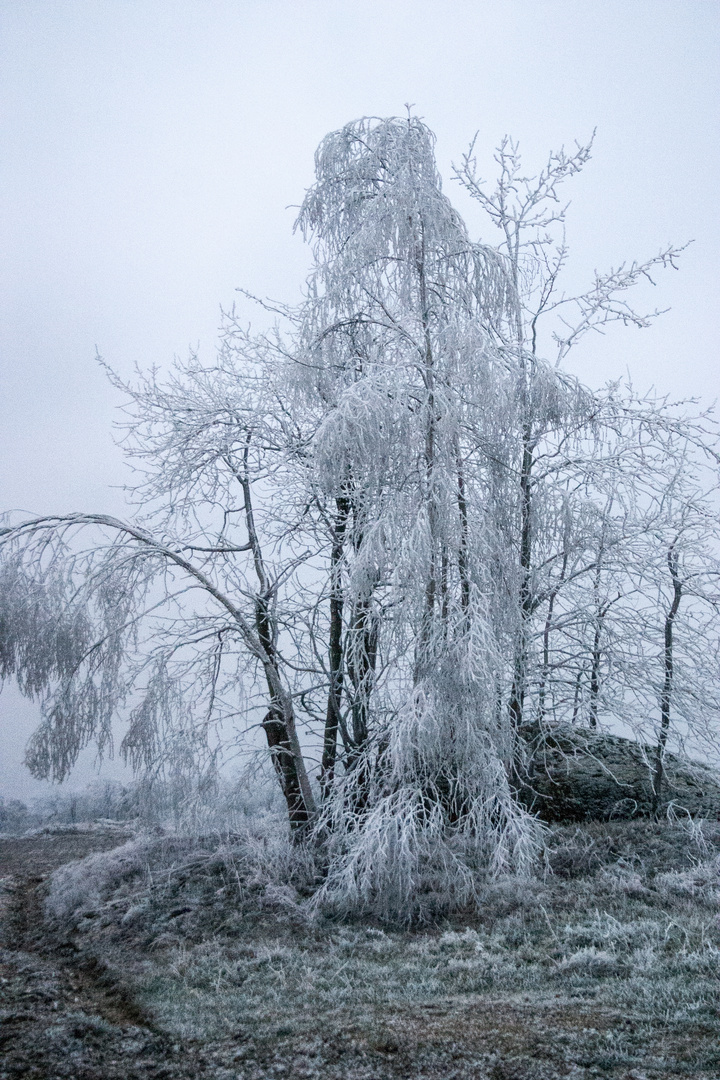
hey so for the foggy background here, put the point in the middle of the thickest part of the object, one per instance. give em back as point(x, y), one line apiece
point(153, 154)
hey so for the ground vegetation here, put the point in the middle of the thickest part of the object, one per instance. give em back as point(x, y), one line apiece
point(155, 955)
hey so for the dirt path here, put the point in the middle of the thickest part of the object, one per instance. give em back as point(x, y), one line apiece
point(62, 1014)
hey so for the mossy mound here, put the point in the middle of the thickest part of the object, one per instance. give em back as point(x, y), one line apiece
point(576, 774)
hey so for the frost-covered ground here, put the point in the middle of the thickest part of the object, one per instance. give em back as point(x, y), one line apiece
point(609, 965)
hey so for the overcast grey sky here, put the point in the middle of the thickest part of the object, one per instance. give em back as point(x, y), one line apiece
point(152, 151)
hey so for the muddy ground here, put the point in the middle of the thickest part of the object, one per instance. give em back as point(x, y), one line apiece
point(65, 1014)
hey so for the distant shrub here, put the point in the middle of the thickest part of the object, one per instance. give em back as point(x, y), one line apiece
point(14, 815)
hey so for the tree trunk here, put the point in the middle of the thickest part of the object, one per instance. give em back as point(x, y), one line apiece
point(517, 693)
point(428, 374)
point(666, 696)
point(279, 722)
point(284, 761)
point(362, 657)
point(463, 568)
point(333, 717)
point(595, 675)
point(576, 698)
point(546, 640)
point(281, 733)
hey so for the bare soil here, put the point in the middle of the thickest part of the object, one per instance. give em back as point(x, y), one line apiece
point(65, 1013)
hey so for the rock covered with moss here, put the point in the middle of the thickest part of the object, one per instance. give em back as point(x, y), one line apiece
point(576, 774)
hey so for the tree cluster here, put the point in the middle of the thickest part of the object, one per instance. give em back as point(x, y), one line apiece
point(393, 534)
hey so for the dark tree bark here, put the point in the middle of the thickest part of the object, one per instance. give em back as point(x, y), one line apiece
point(283, 760)
point(362, 658)
point(333, 717)
point(279, 722)
point(666, 696)
point(517, 692)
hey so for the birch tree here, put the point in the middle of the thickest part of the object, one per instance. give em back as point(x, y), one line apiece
point(399, 363)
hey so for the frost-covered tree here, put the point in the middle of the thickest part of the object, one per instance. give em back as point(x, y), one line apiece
point(389, 533)
point(158, 620)
point(399, 361)
point(572, 455)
